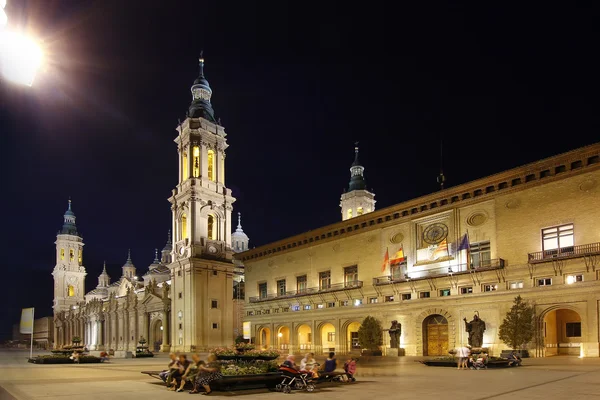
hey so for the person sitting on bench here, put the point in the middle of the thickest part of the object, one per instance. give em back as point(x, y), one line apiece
point(514, 360)
point(167, 375)
point(330, 363)
point(191, 372)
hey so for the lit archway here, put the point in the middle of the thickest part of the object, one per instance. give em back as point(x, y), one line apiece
point(283, 338)
point(156, 335)
point(435, 335)
point(562, 333)
point(352, 343)
point(264, 338)
point(184, 227)
point(328, 337)
point(304, 337)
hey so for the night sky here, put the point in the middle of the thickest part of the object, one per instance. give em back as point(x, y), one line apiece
point(295, 85)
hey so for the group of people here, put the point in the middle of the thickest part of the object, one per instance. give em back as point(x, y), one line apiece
point(181, 370)
point(309, 366)
point(465, 360)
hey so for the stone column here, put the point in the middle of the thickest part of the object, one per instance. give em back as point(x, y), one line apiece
point(166, 333)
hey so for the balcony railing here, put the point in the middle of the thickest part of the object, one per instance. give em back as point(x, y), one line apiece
point(456, 269)
point(308, 291)
point(564, 253)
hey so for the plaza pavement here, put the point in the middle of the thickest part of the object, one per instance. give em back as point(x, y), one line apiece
point(546, 378)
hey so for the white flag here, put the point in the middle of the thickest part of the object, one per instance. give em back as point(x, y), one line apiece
point(27, 321)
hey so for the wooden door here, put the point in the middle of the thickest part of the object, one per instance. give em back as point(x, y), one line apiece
point(437, 337)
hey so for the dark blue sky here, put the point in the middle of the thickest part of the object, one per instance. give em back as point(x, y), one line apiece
point(295, 84)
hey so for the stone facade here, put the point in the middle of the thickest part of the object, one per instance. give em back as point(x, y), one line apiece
point(532, 231)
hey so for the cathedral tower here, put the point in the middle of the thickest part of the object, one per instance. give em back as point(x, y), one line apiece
point(201, 269)
point(357, 200)
point(128, 268)
point(69, 273)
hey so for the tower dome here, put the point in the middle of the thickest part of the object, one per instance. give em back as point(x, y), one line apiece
point(128, 267)
point(69, 227)
point(201, 95)
point(357, 200)
point(239, 239)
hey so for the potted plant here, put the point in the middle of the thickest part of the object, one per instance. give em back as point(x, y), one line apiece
point(370, 336)
point(518, 327)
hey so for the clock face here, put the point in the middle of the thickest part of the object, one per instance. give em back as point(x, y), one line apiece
point(212, 249)
point(182, 250)
point(435, 233)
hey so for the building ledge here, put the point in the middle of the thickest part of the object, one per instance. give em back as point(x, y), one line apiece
point(564, 253)
point(308, 291)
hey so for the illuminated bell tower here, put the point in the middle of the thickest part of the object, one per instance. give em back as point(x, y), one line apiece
point(357, 200)
point(69, 273)
point(201, 268)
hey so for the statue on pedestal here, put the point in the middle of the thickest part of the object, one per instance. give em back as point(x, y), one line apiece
point(395, 331)
point(475, 329)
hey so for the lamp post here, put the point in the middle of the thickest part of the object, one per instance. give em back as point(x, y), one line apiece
point(20, 56)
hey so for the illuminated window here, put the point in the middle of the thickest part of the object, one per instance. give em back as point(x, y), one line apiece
point(196, 162)
point(70, 291)
point(331, 336)
point(62, 254)
point(301, 284)
point(349, 213)
point(492, 287)
point(80, 256)
point(570, 279)
point(373, 300)
point(184, 169)
point(184, 230)
point(211, 165)
point(444, 292)
point(211, 227)
point(515, 285)
point(351, 276)
point(324, 280)
point(466, 290)
point(359, 211)
point(71, 254)
point(389, 299)
point(557, 240)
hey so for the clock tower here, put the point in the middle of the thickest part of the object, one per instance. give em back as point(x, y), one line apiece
point(201, 204)
point(69, 272)
point(357, 200)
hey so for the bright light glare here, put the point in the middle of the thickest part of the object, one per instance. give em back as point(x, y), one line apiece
point(20, 56)
point(570, 280)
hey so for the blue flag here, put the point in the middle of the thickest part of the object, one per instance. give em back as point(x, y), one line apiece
point(463, 243)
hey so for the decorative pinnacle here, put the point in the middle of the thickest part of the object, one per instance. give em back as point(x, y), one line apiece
point(239, 220)
point(169, 237)
point(70, 203)
point(155, 255)
point(129, 256)
point(201, 62)
point(104, 268)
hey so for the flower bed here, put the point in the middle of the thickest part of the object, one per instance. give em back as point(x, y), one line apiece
point(245, 368)
point(248, 354)
point(57, 359)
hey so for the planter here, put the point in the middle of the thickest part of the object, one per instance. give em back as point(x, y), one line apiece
point(520, 353)
point(267, 358)
point(227, 357)
point(452, 363)
point(144, 355)
point(376, 353)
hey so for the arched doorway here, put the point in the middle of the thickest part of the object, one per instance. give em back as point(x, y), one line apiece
point(156, 339)
point(264, 338)
point(304, 337)
point(283, 338)
point(328, 337)
point(435, 335)
point(352, 337)
point(562, 333)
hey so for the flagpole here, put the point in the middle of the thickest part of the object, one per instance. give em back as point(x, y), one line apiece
point(32, 325)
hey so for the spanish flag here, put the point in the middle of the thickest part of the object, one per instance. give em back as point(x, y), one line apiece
point(398, 257)
point(386, 260)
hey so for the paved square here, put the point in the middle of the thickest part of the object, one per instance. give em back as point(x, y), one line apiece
point(557, 377)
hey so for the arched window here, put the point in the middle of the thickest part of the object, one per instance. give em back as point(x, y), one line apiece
point(211, 227)
point(71, 291)
point(62, 254)
point(211, 165)
point(184, 167)
point(196, 162)
point(359, 211)
point(222, 168)
point(71, 255)
point(349, 213)
point(80, 256)
point(184, 227)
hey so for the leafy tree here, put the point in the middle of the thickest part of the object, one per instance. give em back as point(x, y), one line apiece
point(518, 327)
point(370, 334)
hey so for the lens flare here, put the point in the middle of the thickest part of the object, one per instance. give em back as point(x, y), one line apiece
point(20, 56)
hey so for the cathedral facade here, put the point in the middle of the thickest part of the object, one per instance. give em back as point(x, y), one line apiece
point(185, 300)
point(432, 263)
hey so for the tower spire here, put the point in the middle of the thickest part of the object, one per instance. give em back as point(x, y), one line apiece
point(201, 95)
point(441, 178)
point(156, 260)
point(357, 180)
point(201, 63)
point(69, 227)
point(357, 200)
point(239, 226)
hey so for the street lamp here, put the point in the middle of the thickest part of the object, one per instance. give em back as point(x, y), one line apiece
point(20, 56)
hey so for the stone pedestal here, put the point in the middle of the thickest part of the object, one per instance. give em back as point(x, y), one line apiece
point(392, 353)
point(165, 348)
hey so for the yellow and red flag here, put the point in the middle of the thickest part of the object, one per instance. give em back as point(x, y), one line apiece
point(398, 257)
point(386, 260)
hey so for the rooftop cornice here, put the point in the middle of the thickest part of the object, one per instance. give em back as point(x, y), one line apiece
point(550, 169)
